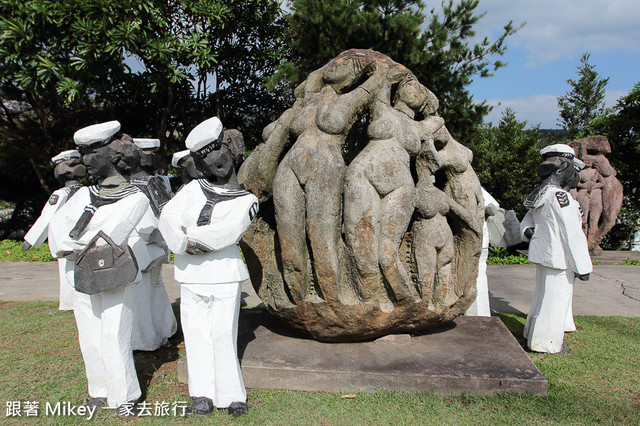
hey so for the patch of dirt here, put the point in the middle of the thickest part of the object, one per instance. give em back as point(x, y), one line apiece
point(5, 306)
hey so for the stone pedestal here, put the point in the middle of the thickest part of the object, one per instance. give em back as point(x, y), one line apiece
point(471, 354)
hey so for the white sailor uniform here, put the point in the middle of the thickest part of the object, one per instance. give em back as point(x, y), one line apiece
point(560, 251)
point(39, 232)
point(210, 283)
point(480, 307)
point(104, 319)
point(155, 321)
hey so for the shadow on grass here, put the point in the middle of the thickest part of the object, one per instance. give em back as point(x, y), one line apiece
point(515, 325)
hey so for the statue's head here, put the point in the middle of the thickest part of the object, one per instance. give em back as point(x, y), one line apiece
point(216, 152)
point(68, 166)
point(150, 160)
point(105, 151)
point(183, 160)
point(560, 166)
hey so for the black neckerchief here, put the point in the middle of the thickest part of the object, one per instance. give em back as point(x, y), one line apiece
point(71, 190)
point(155, 190)
point(96, 202)
point(213, 198)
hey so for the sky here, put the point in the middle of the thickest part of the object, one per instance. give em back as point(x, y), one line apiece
point(546, 52)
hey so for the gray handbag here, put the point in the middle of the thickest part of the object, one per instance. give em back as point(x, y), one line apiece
point(105, 267)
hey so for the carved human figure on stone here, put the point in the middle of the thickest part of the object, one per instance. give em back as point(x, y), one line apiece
point(68, 171)
point(202, 225)
point(104, 319)
point(307, 187)
point(445, 163)
point(379, 190)
point(599, 192)
point(589, 196)
point(557, 246)
point(433, 243)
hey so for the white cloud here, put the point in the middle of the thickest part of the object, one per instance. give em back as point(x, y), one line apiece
point(538, 109)
point(559, 28)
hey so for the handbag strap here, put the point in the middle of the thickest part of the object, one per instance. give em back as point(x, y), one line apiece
point(116, 248)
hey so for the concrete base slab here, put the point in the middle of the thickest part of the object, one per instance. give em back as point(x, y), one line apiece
point(471, 354)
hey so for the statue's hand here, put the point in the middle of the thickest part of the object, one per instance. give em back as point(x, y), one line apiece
point(584, 277)
point(195, 247)
point(26, 246)
point(528, 232)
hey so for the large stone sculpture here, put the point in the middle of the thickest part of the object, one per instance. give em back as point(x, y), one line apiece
point(599, 192)
point(371, 215)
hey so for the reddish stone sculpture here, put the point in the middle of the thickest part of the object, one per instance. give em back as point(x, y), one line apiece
point(370, 218)
point(599, 192)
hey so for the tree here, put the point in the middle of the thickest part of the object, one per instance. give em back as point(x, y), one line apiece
point(435, 47)
point(65, 64)
point(621, 125)
point(505, 159)
point(584, 102)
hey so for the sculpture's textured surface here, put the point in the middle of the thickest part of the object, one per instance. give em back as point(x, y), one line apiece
point(599, 192)
point(371, 214)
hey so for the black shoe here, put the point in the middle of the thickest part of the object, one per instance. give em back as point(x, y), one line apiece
point(96, 403)
point(236, 409)
point(201, 405)
point(128, 409)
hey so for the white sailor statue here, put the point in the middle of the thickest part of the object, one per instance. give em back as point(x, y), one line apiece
point(202, 225)
point(68, 170)
point(93, 228)
point(155, 321)
point(557, 246)
point(481, 307)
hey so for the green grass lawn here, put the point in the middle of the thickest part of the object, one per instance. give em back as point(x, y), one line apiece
point(599, 382)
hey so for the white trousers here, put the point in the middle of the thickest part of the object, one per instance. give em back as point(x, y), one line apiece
point(209, 316)
point(66, 286)
point(550, 309)
point(164, 320)
point(154, 321)
point(104, 329)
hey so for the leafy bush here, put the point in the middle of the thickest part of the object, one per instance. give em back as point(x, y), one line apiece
point(501, 256)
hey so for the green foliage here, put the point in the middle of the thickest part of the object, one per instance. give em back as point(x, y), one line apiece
point(634, 262)
point(584, 102)
point(11, 251)
point(621, 236)
point(501, 256)
point(505, 159)
point(438, 46)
